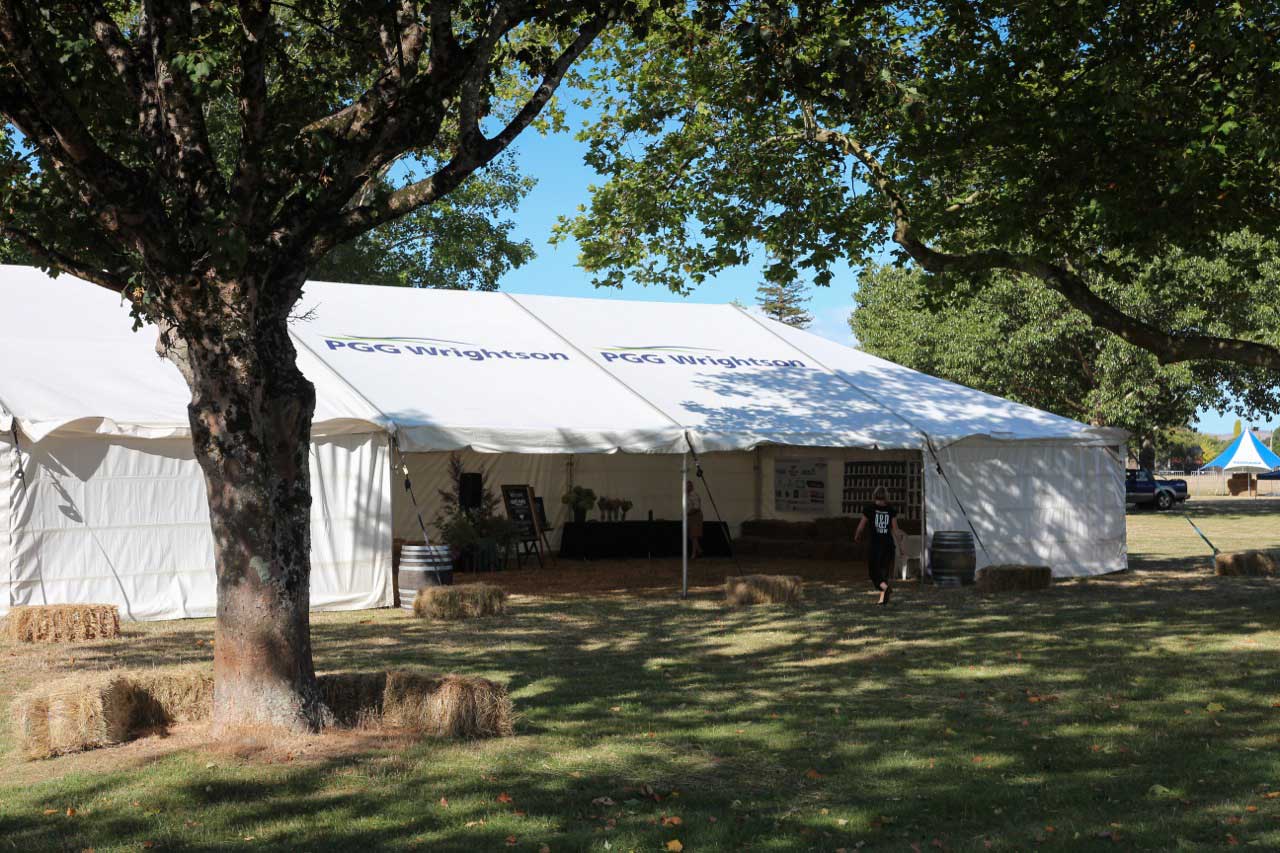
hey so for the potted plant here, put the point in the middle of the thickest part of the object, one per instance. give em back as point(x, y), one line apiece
point(580, 500)
point(605, 505)
point(625, 506)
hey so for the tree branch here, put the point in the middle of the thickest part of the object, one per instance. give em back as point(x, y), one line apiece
point(63, 263)
point(1167, 348)
point(169, 25)
point(472, 154)
point(255, 23)
point(118, 52)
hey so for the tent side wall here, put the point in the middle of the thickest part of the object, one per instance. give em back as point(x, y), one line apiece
point(125, 521)
point(1038, 503)
point(8, 465)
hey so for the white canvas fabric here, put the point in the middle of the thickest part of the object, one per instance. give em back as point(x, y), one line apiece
point(8, 464)
point(125, 521)
point(1033, 503)
point(73, 365)
point(507, 378)
point(455, 369)
point(946, 411)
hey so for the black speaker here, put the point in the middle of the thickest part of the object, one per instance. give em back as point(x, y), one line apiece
point(471, 491)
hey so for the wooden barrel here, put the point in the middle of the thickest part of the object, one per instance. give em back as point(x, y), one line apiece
point(952, 558)
point(422, 566)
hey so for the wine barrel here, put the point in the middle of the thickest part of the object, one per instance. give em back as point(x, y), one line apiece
point(952, 558)
point(422, 566)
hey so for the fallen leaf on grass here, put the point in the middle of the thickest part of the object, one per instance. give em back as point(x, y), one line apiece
point(511, 841)
point(1214, 708)
point(148, 844)
point(504, 797)
point(812, 774)
point(1271, 795)
point(673, 820)
point(50, 811)
point(674, 846)
point(472, 824)
point(444, 801)
point(1251, 808)
point(603, 801)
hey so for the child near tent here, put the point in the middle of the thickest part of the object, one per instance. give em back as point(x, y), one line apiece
point(883, 520)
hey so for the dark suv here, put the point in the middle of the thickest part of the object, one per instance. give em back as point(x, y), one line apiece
point(1142, 488)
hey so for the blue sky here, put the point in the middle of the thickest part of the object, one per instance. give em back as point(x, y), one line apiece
point(563, 180)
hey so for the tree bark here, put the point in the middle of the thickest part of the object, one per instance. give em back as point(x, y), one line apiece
point(250, 413)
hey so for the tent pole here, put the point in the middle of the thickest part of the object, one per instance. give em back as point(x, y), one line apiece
point(684, 525)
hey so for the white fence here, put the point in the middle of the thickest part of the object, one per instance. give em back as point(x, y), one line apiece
point(1214, 484)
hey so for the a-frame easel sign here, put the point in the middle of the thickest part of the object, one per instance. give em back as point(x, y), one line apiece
point(519, 503)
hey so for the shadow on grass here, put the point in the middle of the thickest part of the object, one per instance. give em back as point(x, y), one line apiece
point(1082, 717)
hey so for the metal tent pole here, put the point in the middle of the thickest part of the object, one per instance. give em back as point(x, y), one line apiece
point(684, 525)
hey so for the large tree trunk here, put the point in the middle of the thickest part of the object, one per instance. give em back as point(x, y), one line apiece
point(250, 413)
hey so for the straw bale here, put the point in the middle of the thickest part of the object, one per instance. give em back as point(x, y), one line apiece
point(1013, 577)
point(450, 706)
point(465, 601)
point(1264, 564)
point(107, 708)
point(763, 589)
point(62, 623)
point(355, 698)
point(772, 528)
point(182, 694)
point(78, 713)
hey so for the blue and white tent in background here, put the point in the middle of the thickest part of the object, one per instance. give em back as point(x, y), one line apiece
point(1247, 454)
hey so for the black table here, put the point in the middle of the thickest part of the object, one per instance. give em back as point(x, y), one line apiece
point(590, 540)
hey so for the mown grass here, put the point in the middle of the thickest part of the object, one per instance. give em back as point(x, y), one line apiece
point(1140, 711)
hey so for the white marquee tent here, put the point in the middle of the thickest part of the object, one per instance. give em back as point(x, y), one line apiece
point(101, 499)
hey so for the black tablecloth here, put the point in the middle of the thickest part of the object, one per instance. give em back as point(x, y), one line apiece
point(602, 539)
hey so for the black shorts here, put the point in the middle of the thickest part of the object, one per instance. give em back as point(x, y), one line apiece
point(880, 559)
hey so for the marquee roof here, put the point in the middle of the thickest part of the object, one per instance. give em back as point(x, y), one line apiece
point(507, 373)
point(1246, 454)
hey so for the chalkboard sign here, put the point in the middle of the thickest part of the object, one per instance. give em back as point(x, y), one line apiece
point(520, 509)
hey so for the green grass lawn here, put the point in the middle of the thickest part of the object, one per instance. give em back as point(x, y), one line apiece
point(1140, 711)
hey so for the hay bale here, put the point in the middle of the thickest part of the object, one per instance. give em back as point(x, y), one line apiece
point(465, 601)
point(1013, 577)
point(450, 706)
point(1255, 564)
point(763, 589)
point(62, 623)
point(182, 694)
point(355, 698)
point(79, 713)
point(772, 528)
point(108, 708)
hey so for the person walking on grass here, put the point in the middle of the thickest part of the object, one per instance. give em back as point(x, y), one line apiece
point(883, 520)
point(694, 510)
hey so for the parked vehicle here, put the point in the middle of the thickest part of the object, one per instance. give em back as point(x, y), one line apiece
point(1143, 489)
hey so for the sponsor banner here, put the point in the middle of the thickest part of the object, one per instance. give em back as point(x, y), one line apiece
point(800, 485)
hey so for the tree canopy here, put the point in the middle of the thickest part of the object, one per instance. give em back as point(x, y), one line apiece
point(463, 242)
point(201, 159)
point(1024, 341)
point(1075, 144)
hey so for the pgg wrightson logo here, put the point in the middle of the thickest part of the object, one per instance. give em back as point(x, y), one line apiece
point(690, 357)
point(434, 348)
